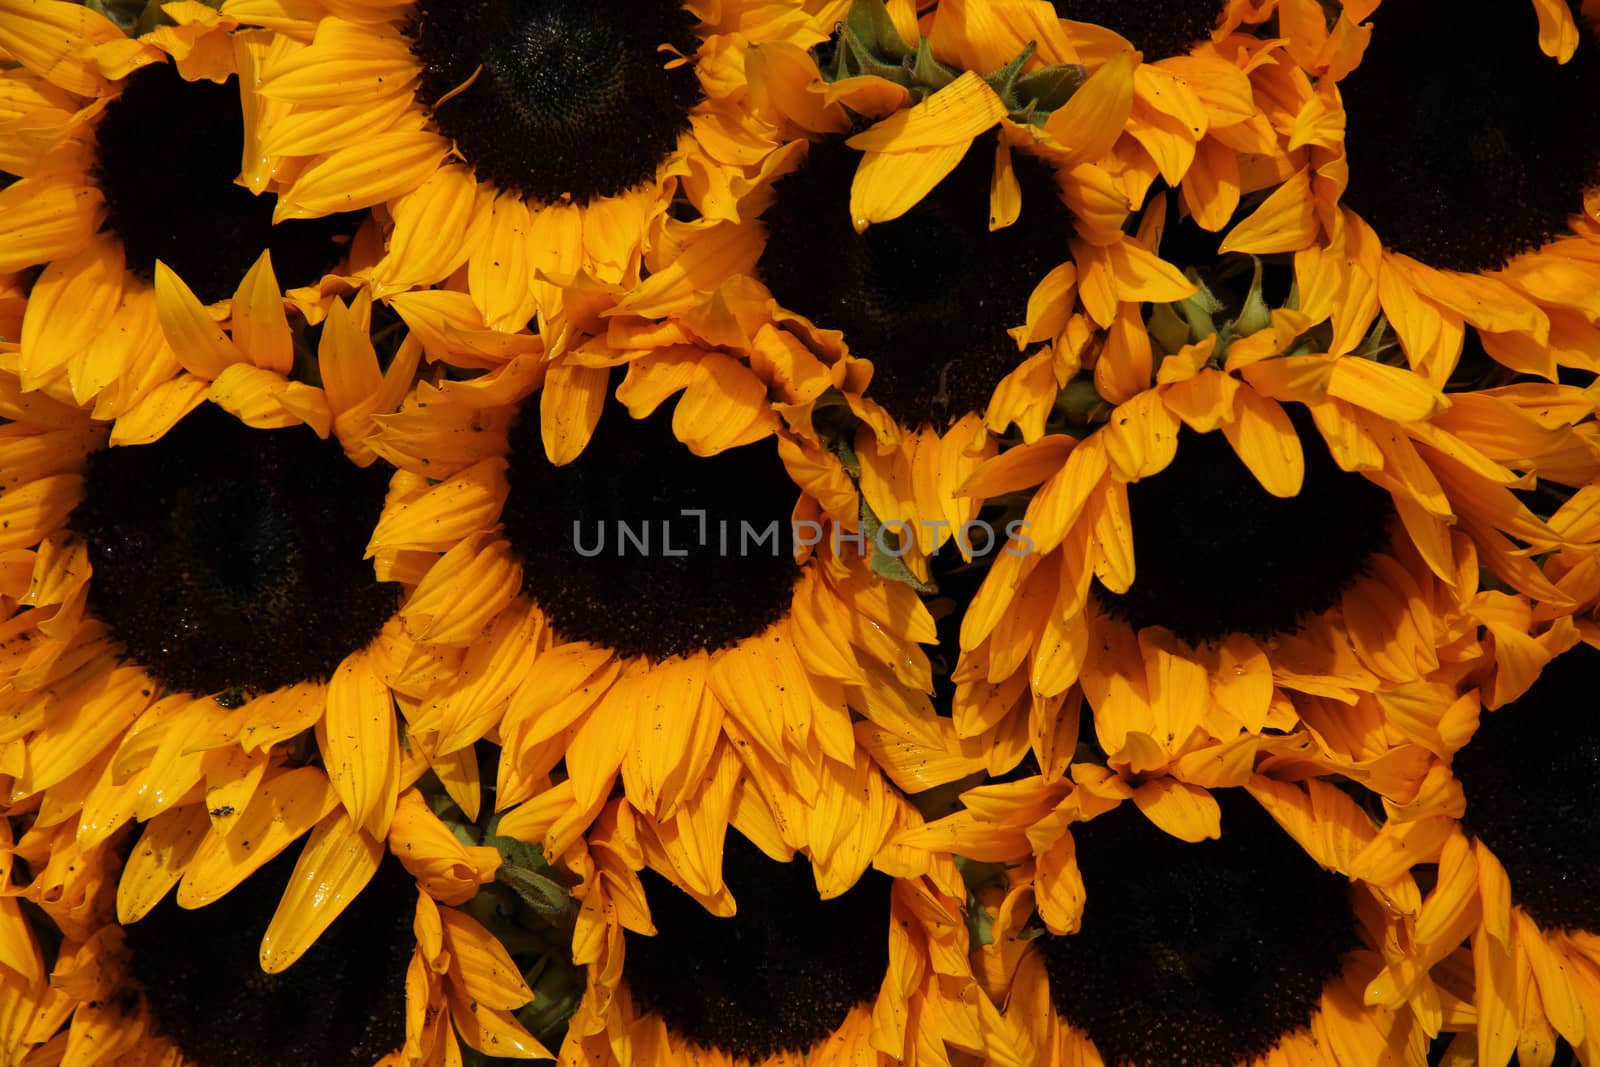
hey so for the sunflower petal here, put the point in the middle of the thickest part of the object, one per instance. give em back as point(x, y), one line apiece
point(337, 863)
point(360, 175)
point(360, 743)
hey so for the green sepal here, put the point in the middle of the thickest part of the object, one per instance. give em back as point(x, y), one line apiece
point(527, 873)
point(1004, 81)
point(836, 424)
point(557, 986)
point(869, 45)
point(978, 875)
point(1377, 339)
point(1080, 404)
point(886, 565)
point(927, 73)
point(1198, 310)
point(1168, 329)
point(1255, 315)
point(1042, 91)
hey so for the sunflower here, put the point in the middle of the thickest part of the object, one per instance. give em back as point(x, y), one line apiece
point(1262, 517)
point(204, 650)
point(523, 147)
point(745, 955)
point(1510, 820)
point(396, 975)
point(909, 333)
point(1249, 945)
point(127, 152)
point(1197, 103)
point(621, 612)
point(1395, 170)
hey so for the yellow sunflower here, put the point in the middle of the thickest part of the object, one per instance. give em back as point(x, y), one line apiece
point(620, 612)
point(1508, 818)
point(764, 964)
point(519, 149)
point(1185, 108)
point(204, 649)
point(1250, 944)
point(130, 197)
point(396, 975)
point(917, 325)
point(1262, 517)
point(1395, 176)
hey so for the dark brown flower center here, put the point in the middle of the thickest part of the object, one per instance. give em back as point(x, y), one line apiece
point(232, 559)
point(567, 97)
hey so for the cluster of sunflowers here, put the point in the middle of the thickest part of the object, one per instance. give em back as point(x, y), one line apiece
point(850, 533)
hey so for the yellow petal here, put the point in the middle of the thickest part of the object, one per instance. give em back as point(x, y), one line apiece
point(349, 364)
point(201, 346)
point(347, 64)
point(337, 863)
point(1392, 392)
point(462, 592)
point(260, 325)
point(1092, 120)
point(444, 868)
point(500, 271)
point(724, 406)
point(1558, 35)
point(159, 411)
point(569, 409)
point(56, 41)
point(1005, 194)
point(1266, 442)
point(363, 174)
point(283, 809)
point(251, 394)
point(435, 226)
point(44, 218)
point(888, 184)
point(74, 301)
point(952, 116)
point(1285, 222)
point(1185, 811)
point(481, 964)
point(494, 1032)
point(360, 743)
point(1140, 274)
point(446, 513)
point(164, 850)
point(709, 257)
point(1141, 437)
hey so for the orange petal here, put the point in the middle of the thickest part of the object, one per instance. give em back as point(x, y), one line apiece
point(283, 809)
point(360, 175)
point(360, 743)
point(569, 409)
point(952, 116)
point(1266, 442)
point(1185, 811)
point(481, 965)
point(169, 842)
point(1285, 222)
point(260, 325)
point(56, 41)
point(45, 218)
point(888, 184)
point(1092, 120)
point(337, 863)
point(201, 346)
